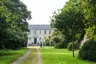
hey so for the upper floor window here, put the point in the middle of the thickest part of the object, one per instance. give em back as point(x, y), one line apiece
point(35, 32)
point(49, 32)
point(44, 32)
point(40, 31)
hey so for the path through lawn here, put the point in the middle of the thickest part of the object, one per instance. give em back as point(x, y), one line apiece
point(23, 58)
point(39, 57)
point(61, 56)
point(33, 56)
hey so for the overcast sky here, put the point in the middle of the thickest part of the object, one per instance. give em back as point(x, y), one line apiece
point(42, 9)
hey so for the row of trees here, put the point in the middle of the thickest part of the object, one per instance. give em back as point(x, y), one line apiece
point(75, 19)
point(13, 24)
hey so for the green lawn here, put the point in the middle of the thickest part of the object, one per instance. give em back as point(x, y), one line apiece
point(8, 56)
point(61, 56)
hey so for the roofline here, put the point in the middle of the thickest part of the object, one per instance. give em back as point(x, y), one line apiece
point(39, 24)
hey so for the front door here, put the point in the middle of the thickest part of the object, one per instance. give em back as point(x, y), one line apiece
point(35, 40)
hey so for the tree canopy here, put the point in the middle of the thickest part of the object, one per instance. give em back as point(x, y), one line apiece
point(13, 24)
point(89, 7)
point(70, 20)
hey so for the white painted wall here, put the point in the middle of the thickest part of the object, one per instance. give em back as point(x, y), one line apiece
point(38, 35)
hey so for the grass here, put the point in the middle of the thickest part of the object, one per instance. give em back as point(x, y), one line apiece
point(8, 56)
point(32, 58)
point(61, 56)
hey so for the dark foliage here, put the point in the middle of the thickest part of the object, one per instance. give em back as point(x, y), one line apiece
point(88, 51)
point(63, 44)
point(76, 46)
point(13, 24)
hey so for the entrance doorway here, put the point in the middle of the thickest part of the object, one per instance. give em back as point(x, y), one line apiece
point(35, 40)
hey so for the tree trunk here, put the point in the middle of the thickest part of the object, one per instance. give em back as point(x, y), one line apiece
point(73, 47)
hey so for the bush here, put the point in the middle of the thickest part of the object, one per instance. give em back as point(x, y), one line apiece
point(47, 43)
point(76, 46)
point(88, 51)
point(51, 43)
point(56, 39)
point(61, 45)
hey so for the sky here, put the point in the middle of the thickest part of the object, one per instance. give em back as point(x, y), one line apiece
point(42, 9)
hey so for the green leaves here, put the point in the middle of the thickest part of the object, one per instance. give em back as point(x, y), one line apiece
point(70, 20)
point(13, 23)
point(89, 7)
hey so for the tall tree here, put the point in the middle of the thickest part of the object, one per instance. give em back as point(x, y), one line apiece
point(13, 23)
point(89, 7)
point(70, 21)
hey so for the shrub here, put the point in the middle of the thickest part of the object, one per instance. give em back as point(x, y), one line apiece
point(61, 45)
point(56, 39)
point(76, 46)
point(64, 43)
point(51, 42)
point(47, 43)
point(88, 51)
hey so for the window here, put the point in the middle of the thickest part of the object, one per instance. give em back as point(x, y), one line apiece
point(35, 32)
point(40, 38)
point(40, 31)
point(49, 32)
point(45, 32)
point(29, 32)
point(29, 38)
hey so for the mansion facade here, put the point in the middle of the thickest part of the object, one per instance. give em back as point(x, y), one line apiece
point(38, 33)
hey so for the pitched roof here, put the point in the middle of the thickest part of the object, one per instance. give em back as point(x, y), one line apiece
point(39, 27)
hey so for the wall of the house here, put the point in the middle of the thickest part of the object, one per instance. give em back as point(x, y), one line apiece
point(39, 34)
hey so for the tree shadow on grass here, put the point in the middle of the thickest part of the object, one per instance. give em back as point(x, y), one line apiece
point(8, 54)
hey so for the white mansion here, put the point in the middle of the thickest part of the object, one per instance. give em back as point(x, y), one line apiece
point(38, 33)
